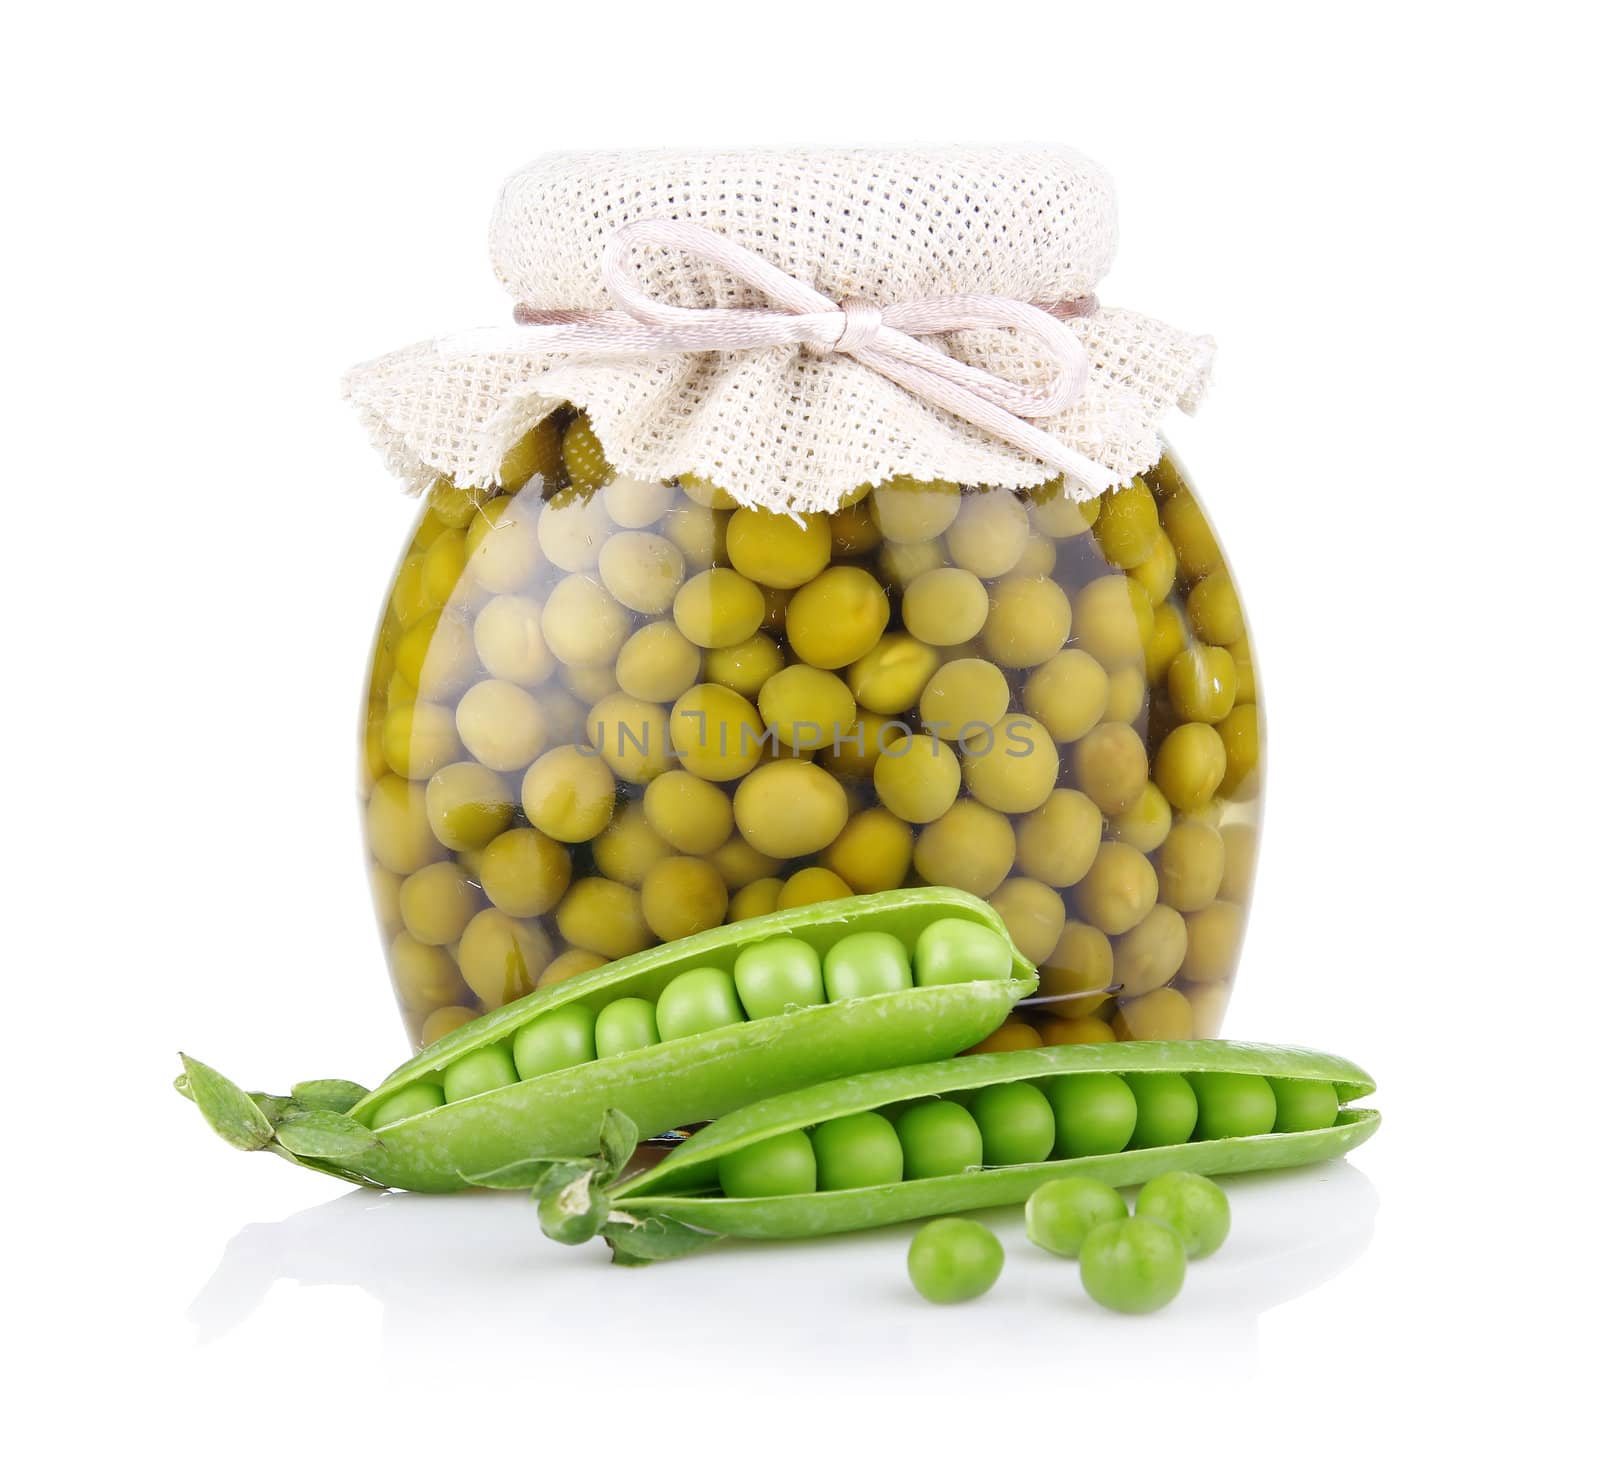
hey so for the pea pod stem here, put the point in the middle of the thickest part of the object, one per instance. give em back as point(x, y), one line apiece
point(293, 1127)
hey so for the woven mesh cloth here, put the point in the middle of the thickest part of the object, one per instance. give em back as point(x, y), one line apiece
point(777, 426)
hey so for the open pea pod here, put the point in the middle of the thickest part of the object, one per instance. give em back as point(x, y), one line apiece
point(488, 1137)
point(679, 1204)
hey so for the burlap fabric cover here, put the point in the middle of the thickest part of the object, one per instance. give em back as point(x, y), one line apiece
point(779, 427)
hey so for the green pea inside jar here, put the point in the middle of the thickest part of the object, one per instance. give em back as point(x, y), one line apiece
point(605, 713)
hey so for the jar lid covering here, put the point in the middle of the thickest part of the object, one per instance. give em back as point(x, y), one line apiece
point(1031, 224)
point(780, 425)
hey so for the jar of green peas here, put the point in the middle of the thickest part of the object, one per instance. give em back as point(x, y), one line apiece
point(807, 537)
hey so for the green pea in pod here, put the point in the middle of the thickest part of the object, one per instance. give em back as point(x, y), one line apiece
point(730, 1178)
point(535, 1079)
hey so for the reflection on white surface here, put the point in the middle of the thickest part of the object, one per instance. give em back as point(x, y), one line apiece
point(474, 1268)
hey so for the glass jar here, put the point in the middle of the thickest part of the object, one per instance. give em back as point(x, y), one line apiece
point(602, 714)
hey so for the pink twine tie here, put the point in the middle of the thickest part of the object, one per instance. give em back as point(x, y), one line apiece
point(890, 340)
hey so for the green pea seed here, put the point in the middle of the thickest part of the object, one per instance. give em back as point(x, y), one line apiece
point(938, 1138)
point(1017, 1122)
point(625, 1025)
point(482, 1070)
point(954, 950)
point(866, 964)
point(954, 1260)
point(1231, 1105)
point(1303, 1105)
point(1132, 1265)
point(553, 1042)
point(861, 1151)
point(418, 1096)
point(1167, 1109)
point(777, 975)
point(1060, 1214)
point(785, 1164)
point(697, 1000)
point(1194, 1207)
point(1095, 1113)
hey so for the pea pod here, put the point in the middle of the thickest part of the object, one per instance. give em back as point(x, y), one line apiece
point(559, 1115)
point(679, 1204)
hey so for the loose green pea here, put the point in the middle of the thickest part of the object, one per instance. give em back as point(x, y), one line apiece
point(776, 975)
point(866, 964)
point(697, 1000)
point(1167, 1109)
point(1132, 1265)
point(625, 1025)
point(1231, 1105)
point(553, 1042)
point(1195, 1208)
point(1095, 1113)
point(419, 1096)
point(938, 1138)
point(953, 950)
point(954, 1260)
point(1060, 1214)
point(1303, 1105)
point(483, 1070)
point(779, 1165)
point(859, 1151)
point(1017, 1122)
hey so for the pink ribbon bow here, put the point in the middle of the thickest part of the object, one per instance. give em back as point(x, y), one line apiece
point(889, 339)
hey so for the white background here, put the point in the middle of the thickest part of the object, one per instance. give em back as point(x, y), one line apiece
point(1383, 212)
